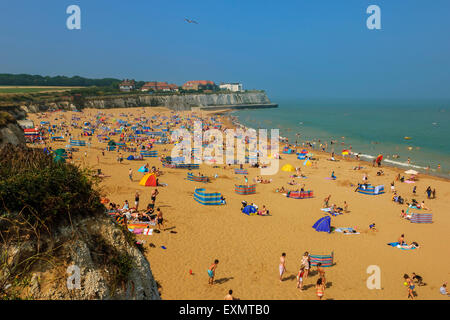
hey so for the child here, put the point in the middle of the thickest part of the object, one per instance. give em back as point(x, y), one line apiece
point(300, 278)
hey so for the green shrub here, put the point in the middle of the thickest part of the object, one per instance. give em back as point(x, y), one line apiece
point(45, 192)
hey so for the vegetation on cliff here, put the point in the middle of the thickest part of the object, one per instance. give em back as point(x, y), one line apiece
point(50, 212)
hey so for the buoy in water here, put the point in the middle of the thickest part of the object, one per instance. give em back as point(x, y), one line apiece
point(407, 138)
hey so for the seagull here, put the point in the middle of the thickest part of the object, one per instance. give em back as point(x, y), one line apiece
point(190, 21)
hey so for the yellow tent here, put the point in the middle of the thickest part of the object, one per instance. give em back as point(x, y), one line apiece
point(288, 167)
point(307, 163)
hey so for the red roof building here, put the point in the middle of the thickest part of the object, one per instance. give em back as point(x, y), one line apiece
point(159, 86)
point(199, 85)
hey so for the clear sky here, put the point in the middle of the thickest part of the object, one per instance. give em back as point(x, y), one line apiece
point(298, 48)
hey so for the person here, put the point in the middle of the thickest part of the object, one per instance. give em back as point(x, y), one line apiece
point(212, 272)
point(414, 190)
point(320, 288)
point(345, 207)
point(155, 192)
point(136, 201)
point(372, 227)
point(300, 275)
point(409, 283)
point(434, 193)
point(422, 206)
point(229, 295)
point(401, 240)
point(333, 176)
point(130, 174)
point(282, 266)
point(326, 200)
point(126, 205)
point(428, 192)
point(159, 217)
point(392, 187)
point(263, 211)
point(418, 279)
point(306, 263)
point(443, 289)
point(321, 271)
point(246, 180)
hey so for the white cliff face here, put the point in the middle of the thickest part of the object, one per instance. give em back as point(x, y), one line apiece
point(181, 102)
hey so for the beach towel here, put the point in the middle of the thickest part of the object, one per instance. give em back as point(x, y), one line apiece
point(148, 232)
point(398, 246)
point(349, 230)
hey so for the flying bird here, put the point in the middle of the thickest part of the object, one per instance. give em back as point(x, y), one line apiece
point(190, 21)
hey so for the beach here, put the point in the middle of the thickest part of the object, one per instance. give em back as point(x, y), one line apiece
point(249, 247)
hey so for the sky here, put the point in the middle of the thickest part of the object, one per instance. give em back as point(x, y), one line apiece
point(292, 49)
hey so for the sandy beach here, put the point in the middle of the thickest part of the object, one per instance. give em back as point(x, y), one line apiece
point(249, 247)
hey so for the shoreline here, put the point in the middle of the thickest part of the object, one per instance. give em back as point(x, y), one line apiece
point(386, 162)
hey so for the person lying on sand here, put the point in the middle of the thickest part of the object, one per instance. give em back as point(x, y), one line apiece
point(372, 227)
point(281, 190)
point(263, 211)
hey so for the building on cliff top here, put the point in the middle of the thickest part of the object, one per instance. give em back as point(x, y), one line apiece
point(159, 86)
point(233, 87)
point(199, 85)
point(127, 85)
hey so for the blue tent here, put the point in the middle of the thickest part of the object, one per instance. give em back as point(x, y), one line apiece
point(130, 157)
point(323, 224)
point(249, 209)
point(143, 169)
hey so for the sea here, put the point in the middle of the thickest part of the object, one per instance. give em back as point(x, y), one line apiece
point(398, 129)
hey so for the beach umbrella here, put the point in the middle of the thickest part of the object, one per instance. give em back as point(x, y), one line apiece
point(414, 172)
point(323, 224)
point(307, 163)
point(345, 152)
point(379, 158)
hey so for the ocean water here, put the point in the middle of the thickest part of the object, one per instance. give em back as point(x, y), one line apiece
point(369, 127)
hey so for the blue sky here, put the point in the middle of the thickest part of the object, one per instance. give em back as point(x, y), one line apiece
point(292, 49)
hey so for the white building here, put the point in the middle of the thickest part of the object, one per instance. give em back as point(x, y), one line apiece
point(234, 87)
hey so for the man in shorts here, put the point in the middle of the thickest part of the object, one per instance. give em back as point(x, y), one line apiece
point(212, 272)
point(155, 192)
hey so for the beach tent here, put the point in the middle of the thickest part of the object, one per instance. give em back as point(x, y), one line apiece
point(249, 209)
point(323, 224)
point(345, 152)
point(130, 157)
point(149, 180)
point(307, 163)
point(288, 167)
point(143, 169)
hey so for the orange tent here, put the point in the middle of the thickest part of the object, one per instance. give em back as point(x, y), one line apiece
point(149, 180)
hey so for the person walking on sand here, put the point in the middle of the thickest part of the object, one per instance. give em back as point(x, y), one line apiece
point(130, 174)
point(428, 192)
point(345, 207)
point(409, 283)
point(321, 272)
point(155, 192)
point(300, 276)
point(159, 217)
point(136, 201)
point(212, 272)
point(325, 201)
point(320, 288)
point(282, 265)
